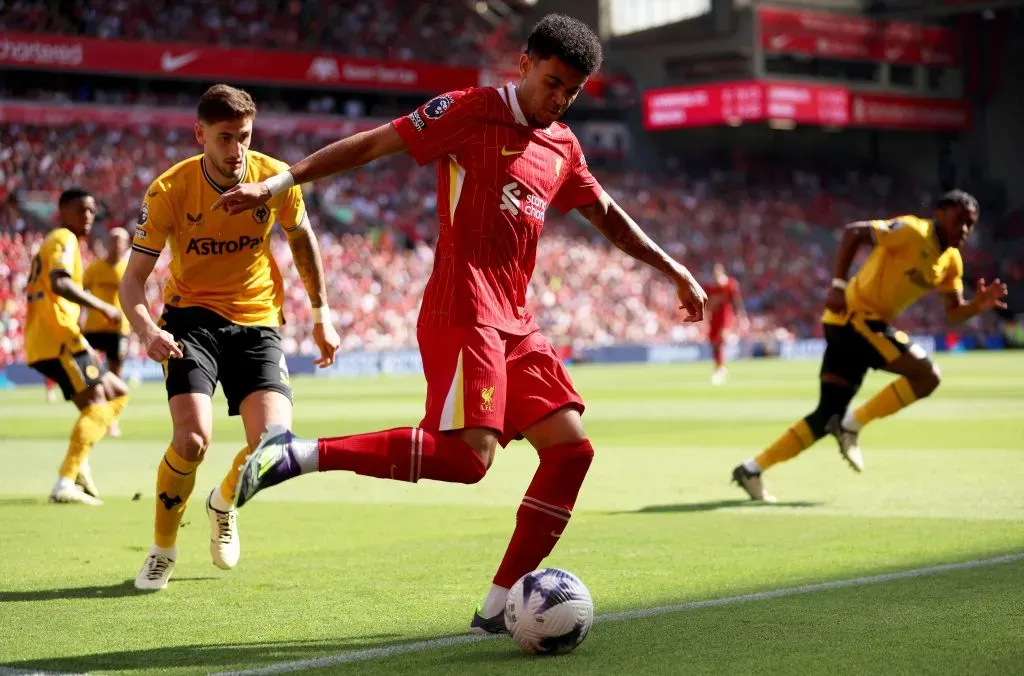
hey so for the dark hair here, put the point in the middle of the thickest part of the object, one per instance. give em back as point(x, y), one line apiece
point(224, 103)
point(958, 198)
point(72, 194)
point(569, 39)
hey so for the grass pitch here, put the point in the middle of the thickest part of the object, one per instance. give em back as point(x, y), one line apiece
point(336, 564)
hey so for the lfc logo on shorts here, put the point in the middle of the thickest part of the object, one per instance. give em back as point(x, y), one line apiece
point(487, 398)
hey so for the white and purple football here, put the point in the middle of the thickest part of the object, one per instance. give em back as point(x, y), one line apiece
point(549, 612)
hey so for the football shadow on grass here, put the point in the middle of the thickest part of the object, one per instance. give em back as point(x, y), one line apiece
point(712, 505)
point(215, 656)
point(110, 591)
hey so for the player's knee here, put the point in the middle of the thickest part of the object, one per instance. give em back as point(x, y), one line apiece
point(191, 443)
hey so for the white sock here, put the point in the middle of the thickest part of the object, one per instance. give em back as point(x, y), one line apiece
point(752, 466)
point(63, 484)
point(307, 454)
point(218, 502)
point(494, 602)
point(851, 423)
point(169, 552)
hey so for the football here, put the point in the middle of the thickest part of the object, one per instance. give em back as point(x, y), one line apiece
point(549, 612)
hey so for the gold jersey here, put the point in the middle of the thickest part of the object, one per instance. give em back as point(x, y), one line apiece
point(51, 327)
point(218, 262)
point(102, 280)
point(907, 263)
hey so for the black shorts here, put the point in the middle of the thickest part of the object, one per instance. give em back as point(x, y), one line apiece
point(75, 373)
point(245, 359)
point(861, 344)
point(113, 345)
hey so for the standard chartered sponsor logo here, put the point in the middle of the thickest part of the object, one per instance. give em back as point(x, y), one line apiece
point(40, 52)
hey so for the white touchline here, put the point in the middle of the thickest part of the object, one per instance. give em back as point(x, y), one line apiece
point(450, 641)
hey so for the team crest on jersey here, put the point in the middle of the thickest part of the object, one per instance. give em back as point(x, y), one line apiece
point(143, 214)
point(417, 120)
point(487, 398)
point(261, 214)
point(436, 107)
point(196, 219)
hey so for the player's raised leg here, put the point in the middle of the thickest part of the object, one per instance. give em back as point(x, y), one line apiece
point(192, 421)
point(920, 377)
point(465, 372)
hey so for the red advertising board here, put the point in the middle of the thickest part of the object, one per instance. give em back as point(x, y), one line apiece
point(61, 115)
point(886, 111)
point(810, 104)
point(59, 52)
point(711, 105)
point(849, 37)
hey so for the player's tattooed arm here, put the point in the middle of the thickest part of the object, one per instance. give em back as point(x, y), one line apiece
point(306, 256)
point(622, 231)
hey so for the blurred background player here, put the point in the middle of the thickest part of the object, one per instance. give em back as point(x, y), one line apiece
point(725, 308)
point(911, 257)
point(222, 310)
point(502, 157)
point(56, 348)
point(102, 279)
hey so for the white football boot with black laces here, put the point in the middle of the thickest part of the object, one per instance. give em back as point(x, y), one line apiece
point(157, 569)
point(225, 547)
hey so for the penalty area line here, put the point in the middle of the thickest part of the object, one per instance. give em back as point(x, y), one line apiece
point(452, 641)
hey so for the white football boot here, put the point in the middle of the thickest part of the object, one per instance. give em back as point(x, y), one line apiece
point(157, 569)
point(225, 547)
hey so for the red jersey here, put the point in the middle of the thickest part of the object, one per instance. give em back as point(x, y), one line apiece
point(496, 176)
point(722, 299)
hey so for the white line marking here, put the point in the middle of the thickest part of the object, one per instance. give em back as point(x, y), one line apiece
point(452, 641)
point(7, 671)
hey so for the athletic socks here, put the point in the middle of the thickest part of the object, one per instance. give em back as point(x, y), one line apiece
point(223, 498)
point(403, 454)
point(796, 439)
point(896, 396)
point(175, 480)
point(545, 509)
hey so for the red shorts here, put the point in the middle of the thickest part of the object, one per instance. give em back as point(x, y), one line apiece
point(478, 376)
point(719, 326)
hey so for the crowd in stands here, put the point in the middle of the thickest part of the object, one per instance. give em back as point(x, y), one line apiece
point(774, 227)
point(401, 30)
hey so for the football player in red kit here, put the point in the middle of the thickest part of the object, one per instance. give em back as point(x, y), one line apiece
point(725, 306)
point(502, 157)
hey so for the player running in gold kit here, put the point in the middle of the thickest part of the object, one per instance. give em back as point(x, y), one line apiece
point(222, 307)
point(56, 348)
point(912, 256)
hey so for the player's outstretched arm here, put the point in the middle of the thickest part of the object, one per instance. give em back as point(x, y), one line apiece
point(65, 287)
point(986, 297)
point(348, 153)
point(622, 231)
point(306, 257)
point(855, 236)
point(159, 344)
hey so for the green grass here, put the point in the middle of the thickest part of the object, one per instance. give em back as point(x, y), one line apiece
point(336, 563)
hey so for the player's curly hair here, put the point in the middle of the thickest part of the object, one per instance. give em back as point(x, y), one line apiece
point(958, 198)
point(72, 194)
point(569, 39)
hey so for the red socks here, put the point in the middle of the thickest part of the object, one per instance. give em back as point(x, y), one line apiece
point(403, 454)
point(719, 353)
point(545, 509)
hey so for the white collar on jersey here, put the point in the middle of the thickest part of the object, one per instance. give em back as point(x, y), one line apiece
point(508, 95)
